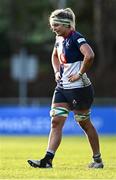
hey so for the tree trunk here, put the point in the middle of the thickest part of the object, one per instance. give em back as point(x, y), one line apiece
point(98, 35)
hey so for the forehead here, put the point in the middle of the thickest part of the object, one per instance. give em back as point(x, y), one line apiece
point(53, 24)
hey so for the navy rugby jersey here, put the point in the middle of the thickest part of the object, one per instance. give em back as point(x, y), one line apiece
point(70, 58)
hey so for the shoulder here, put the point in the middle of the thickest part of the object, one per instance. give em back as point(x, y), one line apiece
point(59, 39)
point(78, 38)
point(77, 34)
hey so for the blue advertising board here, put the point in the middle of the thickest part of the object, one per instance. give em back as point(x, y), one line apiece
point(36, 121)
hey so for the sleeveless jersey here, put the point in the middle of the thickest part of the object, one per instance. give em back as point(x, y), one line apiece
point(70, 58)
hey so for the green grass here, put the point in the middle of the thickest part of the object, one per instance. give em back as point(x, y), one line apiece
point(70, 162)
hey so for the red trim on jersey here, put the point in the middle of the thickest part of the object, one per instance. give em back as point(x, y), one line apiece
point(63, 58)
point(70, 33)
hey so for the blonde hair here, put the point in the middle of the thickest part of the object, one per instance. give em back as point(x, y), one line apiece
point(63, 16)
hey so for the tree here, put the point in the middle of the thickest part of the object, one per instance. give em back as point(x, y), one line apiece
point(105, 36)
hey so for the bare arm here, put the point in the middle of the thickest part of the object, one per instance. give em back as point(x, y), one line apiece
point(55, 61)
point(88, 58)
point(55, 64)
point(87, 61)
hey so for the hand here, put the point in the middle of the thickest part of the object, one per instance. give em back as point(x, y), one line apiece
point(57, 76)
point(74, 77)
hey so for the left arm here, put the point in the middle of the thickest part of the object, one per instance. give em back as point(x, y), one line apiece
point(88, 53)
point(88, 58)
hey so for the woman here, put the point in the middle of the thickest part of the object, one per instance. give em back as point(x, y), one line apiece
point(72, 57)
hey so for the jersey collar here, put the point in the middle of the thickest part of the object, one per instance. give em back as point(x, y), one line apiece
point(70, 33)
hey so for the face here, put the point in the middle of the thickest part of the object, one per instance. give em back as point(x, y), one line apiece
point(59, 29)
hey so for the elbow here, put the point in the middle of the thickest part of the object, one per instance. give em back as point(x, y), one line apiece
point(90, 56)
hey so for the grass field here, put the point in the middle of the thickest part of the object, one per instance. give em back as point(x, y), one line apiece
point(70, 162)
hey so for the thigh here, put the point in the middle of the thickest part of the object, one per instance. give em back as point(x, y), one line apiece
point(59, 97)
point(60, 107)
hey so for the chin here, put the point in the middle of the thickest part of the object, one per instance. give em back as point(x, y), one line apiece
point(59, 34)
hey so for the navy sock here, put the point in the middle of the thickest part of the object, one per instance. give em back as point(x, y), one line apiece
point(49, 155)
point(97, 158)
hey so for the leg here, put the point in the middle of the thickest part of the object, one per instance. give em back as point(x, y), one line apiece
point(59, 113)
point(92, 135)
point(55, 135)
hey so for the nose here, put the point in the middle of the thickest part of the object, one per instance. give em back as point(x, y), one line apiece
point(54, 28)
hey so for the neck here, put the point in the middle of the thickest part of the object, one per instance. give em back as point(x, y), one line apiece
point(67, 33)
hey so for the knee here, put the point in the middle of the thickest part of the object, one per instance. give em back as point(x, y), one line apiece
point(86, 125)
point(54, 122)
point(57, 122)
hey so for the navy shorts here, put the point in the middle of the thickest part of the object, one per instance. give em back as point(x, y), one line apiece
point(78, 98)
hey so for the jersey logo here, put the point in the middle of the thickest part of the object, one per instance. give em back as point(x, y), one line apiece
point(74, 102)
point(67, 44)
point(81, 40)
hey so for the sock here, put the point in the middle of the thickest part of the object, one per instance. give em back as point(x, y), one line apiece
point(97, 158)
point(49, 155)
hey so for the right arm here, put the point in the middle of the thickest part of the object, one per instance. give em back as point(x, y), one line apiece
point(55, 64)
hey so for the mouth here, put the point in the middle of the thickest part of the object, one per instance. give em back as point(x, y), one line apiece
point(57, 32)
